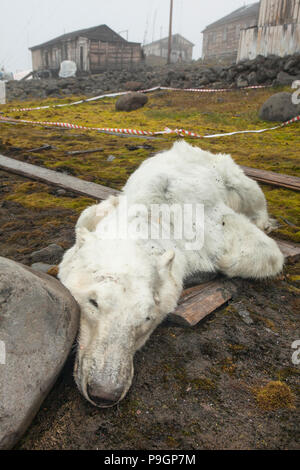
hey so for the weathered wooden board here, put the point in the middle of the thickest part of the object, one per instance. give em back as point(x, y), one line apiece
point(291, 251)
point(86, 188)
point(70, 183)
point(275, 179)
point(200, 301)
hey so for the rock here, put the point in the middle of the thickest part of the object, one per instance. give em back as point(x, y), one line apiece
point(241, 82)
point(292, 64)
point(252, 80)
point(131, 102)
point(42, 267)
point(133, 86)
point(244, 314)
point(279, 107)
point(39, 321)
point(52, 254)
point(61, 192)
point(111, 158)
point(284, 78)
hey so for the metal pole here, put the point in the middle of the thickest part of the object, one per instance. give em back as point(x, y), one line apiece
point(170, 32)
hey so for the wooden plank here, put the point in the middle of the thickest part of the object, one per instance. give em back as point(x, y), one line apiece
point(67, 182)
point(84, 152)
point(200, 301)
point(291, 251)
point(275, 179)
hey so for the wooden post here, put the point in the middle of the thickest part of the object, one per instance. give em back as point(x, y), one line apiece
point(170, 32)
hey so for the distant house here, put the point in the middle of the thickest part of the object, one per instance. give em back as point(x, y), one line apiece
point(93, 50)
point(221, 39)
point(182, 49)
point(277, 31)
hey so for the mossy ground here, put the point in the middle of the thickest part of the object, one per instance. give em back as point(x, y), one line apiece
point(277, 150)
point(275, 395)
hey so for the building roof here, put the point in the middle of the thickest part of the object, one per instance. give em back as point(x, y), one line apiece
point(97, 33)
point(167, 39)
point(244, 12)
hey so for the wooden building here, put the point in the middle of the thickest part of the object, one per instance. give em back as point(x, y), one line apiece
point(93, 50)
point(277, 31)
point(221, 39)
point(181, 51)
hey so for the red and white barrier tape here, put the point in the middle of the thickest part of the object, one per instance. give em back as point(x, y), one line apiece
point(113, 95)
point(180, 132)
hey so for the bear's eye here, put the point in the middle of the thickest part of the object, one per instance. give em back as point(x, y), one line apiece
point(93, 302)
point(148, 319)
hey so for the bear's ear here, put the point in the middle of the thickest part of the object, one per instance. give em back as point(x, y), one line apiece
point(82, 235)
point(167, 259)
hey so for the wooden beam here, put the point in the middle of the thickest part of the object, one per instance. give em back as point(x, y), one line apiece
point(291, 251)
point(67, 182)
point(198, 302)
point(275, 179)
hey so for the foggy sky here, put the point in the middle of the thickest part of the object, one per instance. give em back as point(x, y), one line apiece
point(25, 23)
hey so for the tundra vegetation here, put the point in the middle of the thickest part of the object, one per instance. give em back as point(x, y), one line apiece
point(194, 388)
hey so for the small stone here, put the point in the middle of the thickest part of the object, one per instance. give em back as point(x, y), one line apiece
point(42, 267)
point(133, 86)
point(242, 82)
point(52, 254)
point(111, 158)
point(245, 315)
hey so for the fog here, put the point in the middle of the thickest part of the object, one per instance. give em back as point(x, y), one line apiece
point(26, 23)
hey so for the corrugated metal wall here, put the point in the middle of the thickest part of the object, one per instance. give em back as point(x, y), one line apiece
point(278, 31)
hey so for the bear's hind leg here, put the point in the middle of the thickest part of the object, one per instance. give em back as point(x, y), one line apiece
point(247, 251)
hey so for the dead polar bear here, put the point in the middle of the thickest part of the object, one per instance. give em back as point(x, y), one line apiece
point(126, 286)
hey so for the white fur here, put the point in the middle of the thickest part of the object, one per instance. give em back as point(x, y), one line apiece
point(126, 287)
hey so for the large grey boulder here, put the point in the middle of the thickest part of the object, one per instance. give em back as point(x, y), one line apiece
point(131, 101)
point(38, 325)
point(279, 107)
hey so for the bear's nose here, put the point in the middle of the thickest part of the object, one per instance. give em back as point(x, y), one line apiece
point(104, 397)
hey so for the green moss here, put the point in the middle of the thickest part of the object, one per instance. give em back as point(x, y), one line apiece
point(203, 384)
point(287, 372)
point(274, 395)
point(27, 194)
point(236, 347)
point(228, 366)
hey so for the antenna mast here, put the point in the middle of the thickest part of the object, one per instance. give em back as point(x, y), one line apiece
point(170, 32)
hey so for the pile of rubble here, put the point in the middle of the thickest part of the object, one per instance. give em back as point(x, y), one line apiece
point(272, 70)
